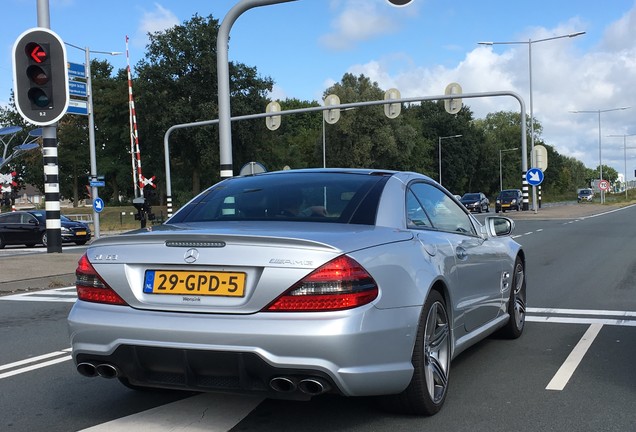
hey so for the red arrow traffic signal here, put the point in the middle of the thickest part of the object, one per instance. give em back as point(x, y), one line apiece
point(40, 76)
point(37, 52)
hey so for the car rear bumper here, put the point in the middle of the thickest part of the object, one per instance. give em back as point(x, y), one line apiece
point(360, 352)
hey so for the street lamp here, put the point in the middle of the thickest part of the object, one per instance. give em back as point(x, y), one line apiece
point(500, 170)
point(624, 155)
point(439, 153)
point(324, 139)
point(529, 42)
point(600, 158)
point(91, 124)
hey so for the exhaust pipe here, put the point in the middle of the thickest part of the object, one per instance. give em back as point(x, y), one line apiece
point(283, 384)
point(87, 369)
point(313, 386)
point(106, 370)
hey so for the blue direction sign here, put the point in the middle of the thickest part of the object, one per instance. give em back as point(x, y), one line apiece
point(98, 204)
point(534, 176)
point(76, 106)
point(77, 88)
point(97, 183)
point(76, 70)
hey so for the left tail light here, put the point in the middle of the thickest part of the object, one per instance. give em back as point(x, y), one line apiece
point(92, 288)
point(340, 284)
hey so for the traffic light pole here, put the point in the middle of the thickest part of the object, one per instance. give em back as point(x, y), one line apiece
point(51, 172)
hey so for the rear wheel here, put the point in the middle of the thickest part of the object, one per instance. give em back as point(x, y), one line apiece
point(2, 243)
point(431, 359)
point(517, 303)
point(44, 239)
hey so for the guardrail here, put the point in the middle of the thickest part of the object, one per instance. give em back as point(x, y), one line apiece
point(86, 218)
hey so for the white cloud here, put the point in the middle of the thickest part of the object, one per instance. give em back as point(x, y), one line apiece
point(358, 20)
point(155, 20)
point(564, 79)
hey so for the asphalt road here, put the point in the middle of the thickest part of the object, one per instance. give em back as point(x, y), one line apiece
point(572, 370)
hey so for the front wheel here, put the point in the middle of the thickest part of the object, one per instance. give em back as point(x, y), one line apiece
point(431, 359)
point(516, 304)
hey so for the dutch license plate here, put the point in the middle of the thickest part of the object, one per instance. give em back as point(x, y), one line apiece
point(228, 284)
point(80, 233)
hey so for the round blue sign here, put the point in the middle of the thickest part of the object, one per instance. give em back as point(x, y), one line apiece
point(534, 176)
point(98, 204)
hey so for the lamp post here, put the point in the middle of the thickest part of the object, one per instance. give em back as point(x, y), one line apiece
point(324, 138)
point(439, 155)
point(529, 42)
point(91, 124)
point(600, 157)
point(624, 155)
point(500, 170)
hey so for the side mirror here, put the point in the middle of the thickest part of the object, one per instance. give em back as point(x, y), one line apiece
point(498, 226)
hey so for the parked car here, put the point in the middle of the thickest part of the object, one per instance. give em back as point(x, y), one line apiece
point(476, 202)
point(509, 199)
point(586, 195)
point(369, 287)
point(29, 228)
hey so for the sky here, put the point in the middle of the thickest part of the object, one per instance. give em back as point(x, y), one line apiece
point(305, 46)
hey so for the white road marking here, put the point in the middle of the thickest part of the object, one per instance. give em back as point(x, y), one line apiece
point(558, 311)
point(63, 353)
point(565, 372)
point(206, 412)
point(65, 294)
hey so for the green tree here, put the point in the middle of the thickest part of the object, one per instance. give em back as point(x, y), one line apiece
point(364, 136)
point(177, 83)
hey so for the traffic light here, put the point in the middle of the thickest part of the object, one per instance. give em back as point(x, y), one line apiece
point(40, 76)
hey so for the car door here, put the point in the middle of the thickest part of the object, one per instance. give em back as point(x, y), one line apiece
point(478, 265)
point(11, 228)
point(30, 226)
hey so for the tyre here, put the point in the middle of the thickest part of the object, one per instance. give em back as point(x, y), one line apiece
point(487, 209)
point(2, 243)
point(479, 209)
point(517, 303)
point(431, 359)
point(44, 241)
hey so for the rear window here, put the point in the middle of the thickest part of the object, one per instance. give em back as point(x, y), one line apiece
point(288, 196)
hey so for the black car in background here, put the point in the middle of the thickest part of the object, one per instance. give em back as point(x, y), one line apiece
point(29, 228)
point(508, 199)
point(476, 201)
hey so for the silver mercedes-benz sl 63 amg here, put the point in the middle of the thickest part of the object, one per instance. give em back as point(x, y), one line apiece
point(296, 283)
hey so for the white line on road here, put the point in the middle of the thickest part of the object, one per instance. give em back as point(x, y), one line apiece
point(63, 353)
point(66, 295)
point(595, 312)
point(567, 369)
point(205, 412)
